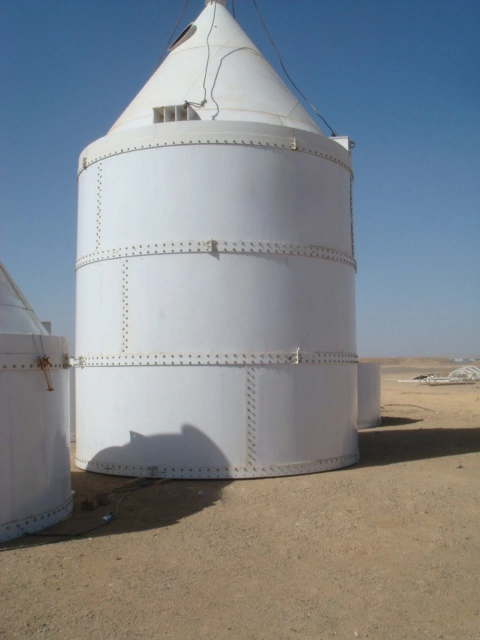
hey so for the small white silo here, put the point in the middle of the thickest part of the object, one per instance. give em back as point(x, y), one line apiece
point(369, 408)
point(215, 275)
point(34, 433)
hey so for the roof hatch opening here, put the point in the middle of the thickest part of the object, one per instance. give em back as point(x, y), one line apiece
point(184, 36)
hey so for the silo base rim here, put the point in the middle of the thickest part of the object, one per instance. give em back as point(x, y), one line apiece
point(225, 473)
point(12, 530)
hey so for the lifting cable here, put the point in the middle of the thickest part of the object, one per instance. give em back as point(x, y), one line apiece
point(286, 72)
point(171, 37)
point(204, 101)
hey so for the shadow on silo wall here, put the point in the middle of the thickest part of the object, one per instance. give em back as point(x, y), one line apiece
point(170, 455)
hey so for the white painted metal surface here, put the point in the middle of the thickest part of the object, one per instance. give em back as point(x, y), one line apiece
point(215, 276)
point(369, 408)
point(216, 66)
point(34, 431)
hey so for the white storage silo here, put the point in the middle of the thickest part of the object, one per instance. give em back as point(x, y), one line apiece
point(215, 275)
point(369, 408)
point(34, 432)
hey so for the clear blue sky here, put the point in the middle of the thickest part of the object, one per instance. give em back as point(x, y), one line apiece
point(402, 79)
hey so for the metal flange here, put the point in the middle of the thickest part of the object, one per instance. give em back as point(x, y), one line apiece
point(218, 246)
point(215, 359)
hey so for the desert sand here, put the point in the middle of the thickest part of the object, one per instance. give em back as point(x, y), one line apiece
point(387, 549)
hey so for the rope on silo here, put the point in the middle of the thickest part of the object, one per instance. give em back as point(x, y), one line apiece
point(204, 101)
point(171, 36)
point(312, 106)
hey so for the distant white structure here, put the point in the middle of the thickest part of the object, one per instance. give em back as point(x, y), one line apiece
point(369, 407)
point(215, 275)
point(464, 375)
point(34, 432)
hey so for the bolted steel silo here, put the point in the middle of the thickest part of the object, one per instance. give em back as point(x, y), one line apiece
point(34, 432)
point(215, 275)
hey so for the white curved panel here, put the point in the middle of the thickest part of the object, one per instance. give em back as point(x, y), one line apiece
point(216, 422)
point(302, 198)
point(180, 416)
point(34, 435)
point(306, 418)
point(369, 407)
point(99, 312)
point(237, 302)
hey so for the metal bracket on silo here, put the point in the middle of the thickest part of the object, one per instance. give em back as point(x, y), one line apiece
point(297, 357)
point(212, 246)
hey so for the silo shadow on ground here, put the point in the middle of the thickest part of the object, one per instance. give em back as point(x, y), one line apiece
point(390, 421)
point(137, 504)
point(149, 504)
point(381, 446)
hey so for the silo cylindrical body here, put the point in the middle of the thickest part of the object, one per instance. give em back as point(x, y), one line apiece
point(34, 432)
point(369, 407)
point(215, 283)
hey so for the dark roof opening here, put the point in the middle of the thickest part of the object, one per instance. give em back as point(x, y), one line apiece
point(184, 36)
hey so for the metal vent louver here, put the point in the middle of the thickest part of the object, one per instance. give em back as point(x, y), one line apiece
point(174, 113)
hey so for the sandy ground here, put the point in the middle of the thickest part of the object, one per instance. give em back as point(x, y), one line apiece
point(386, 549)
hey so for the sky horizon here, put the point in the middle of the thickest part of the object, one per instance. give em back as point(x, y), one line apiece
point(402, 81)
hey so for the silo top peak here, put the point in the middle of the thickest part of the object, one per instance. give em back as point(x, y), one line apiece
point(16, 315)
point(214, 72)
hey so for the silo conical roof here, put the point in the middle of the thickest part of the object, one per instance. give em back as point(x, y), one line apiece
point(215, 67)
point(16, 315)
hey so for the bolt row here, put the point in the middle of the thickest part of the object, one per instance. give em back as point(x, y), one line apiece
point(251, 411)
point(227, 246)
point(99, 207)
point(261, 143)
point(125, 308)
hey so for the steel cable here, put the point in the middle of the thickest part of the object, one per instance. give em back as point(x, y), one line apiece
point(171, 36)
point(286, 72)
